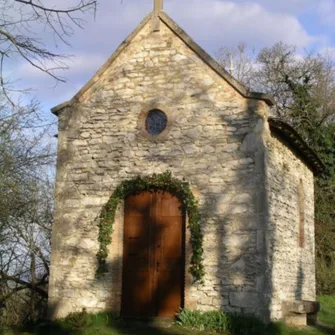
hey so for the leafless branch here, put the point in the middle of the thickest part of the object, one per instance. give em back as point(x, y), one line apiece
point(18, 39)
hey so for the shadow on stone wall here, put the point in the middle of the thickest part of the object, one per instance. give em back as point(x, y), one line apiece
point(153, 267)
point(238, 264)
point(286, 277)
point(235, 222)
point(241, 229)
point(300, 282)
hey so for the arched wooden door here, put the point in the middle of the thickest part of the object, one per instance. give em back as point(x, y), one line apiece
point(153, 255)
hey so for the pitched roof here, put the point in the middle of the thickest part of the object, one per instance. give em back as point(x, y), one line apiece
point(188, 41)
point(284, 130)
point(290, 135)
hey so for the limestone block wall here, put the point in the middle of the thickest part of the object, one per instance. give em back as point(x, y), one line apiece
point(214, 141)
point(291, 265)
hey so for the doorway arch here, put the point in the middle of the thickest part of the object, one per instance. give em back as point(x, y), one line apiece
point(166, 182)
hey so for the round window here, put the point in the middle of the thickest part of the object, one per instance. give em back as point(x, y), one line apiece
point(155, 122)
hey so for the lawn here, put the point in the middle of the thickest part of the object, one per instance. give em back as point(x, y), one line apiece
point(104, 324)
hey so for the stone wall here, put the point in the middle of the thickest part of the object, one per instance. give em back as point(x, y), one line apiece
point(291, 267)
point(214, 141)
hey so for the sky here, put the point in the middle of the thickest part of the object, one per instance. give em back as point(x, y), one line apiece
point(308, 24)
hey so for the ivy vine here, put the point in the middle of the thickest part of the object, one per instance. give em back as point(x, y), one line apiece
point(164, 182)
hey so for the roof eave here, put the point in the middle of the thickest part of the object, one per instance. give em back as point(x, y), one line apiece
point(55, 110)
point(268, 98)
point(189, 41)
point(296, 141)
point(212, 63)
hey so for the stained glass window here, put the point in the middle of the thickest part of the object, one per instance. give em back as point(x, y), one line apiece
point(156, 122)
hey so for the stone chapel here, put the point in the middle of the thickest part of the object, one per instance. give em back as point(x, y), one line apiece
point(161, 103)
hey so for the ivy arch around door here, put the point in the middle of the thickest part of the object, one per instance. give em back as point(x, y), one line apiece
point(162, 182)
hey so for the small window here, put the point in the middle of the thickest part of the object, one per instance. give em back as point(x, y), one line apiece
point(301, 204)
point(155, 122)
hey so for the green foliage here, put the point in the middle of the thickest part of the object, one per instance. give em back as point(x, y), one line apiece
point(77, 320)
point(325, 212)
point(81, 320)
point(327, 311)
point(308, 117)
point(220, 321)
point(217, 321)
point(304, 96)
point(164, 182)
point(79, 323)
point(189, 322)
point(325, 275)
point(303, 89)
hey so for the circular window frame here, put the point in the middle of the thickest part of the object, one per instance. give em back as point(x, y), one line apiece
point(143, 117)
point(156, 122)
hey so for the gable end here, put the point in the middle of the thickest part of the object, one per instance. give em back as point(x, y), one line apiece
point(179, 32)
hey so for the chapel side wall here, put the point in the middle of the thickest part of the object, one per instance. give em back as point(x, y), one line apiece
point(214, 141)
point(72, 250)
point(291, 268)
point(60, 215)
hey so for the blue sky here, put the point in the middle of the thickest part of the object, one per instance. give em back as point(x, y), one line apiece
point(309, 24)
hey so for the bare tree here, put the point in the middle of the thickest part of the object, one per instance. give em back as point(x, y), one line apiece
point(240, 62)
point(303, 85)
point(24, 260)
point(26, 190)
point(25, 212)
point(18, 39)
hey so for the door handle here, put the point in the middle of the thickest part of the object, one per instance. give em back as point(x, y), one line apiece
point(157, 266)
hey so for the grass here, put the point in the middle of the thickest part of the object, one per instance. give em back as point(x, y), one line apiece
point(197, 324)
point(327, 313)
point(103, 324)
point(221, 322)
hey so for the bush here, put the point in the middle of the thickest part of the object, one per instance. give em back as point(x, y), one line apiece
point(220, 321)
point(80, 320)
point(325, 277)
point(77, 320)
point(217, 321)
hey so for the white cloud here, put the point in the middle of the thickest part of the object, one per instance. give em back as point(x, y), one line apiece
point(217, 23)
point(212, 23)
point(293, 7)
